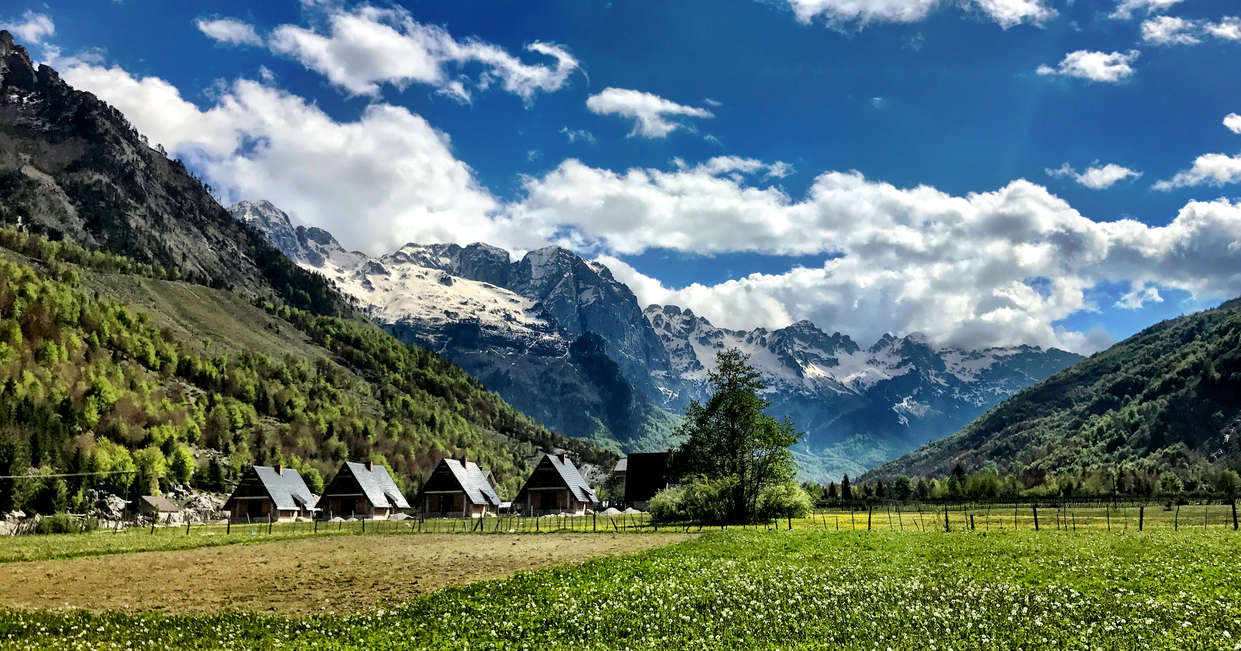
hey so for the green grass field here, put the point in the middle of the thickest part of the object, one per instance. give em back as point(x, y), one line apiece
point(799, 589)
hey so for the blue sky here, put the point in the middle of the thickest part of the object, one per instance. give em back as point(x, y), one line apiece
point(823, 118)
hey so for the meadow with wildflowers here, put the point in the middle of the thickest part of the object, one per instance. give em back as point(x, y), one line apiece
point(784, 589)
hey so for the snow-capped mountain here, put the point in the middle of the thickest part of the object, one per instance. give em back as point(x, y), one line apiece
point(521, 327)
point(857, 405)
point(561, 339)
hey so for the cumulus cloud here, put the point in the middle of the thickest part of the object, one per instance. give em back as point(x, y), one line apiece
point(843, 13)
point(1010, 13)
point(959, 268)
point(1228, 29)
point(377, 182)
point(1169, 30)
point(31, 28)
point(1233, 122)
point(229, 31)
point(651, 113)
point(1103, 67)
point(1095, 177)
point(1138, 297)
point(1126, 8)
point(1208, 169)
point(368, 47)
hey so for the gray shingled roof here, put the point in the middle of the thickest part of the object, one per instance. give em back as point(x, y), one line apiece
point(381, 479)
point(573, 479)
point(474, 481)
point(621, 465)
point(162, 504)
point(377, 485)
point(288, 490)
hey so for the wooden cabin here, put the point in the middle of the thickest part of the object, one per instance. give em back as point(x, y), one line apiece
point(361, 490)
point(264, 492)
point(644, 474)
point(159, 508)
point(458, 487)
point(555, 486)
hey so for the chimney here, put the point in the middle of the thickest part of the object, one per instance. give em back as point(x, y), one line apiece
point(561, 455)
point(280, 469)
point(464, 460)
point(370, 466)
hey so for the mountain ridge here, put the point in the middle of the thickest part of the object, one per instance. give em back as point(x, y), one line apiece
point(513, 323)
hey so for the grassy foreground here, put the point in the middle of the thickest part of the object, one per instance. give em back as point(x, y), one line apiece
point(767, 589)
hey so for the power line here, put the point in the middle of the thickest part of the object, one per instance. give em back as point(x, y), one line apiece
point(71, 474)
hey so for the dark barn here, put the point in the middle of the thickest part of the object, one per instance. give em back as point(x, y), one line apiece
point(555, 486)
point(362, 490)
point(458, 487)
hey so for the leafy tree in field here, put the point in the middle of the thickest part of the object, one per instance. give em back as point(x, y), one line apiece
point(902, 487)
point(1170, 483)
point(1228, 483)
point(731, 438)
point(784, 500)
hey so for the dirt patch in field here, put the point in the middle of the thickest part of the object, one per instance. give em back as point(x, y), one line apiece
point(338, 574)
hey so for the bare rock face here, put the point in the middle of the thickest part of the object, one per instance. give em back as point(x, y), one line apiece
point(857, 407)
point(72, 167)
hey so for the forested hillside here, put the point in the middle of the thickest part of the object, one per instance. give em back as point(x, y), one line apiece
point(1166, 398)
point(91, 384)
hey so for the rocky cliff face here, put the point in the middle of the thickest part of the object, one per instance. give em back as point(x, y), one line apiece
point(857, 406)
point(560, 338)
point(72, 167)
point(528, 330)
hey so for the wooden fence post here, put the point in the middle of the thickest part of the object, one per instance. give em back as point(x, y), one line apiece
point(1107, 511)
point(1176, 518)
point(870, 510)
point(187, 525)
point(1141, 516)
point(947, 528)
point(269, 524)
point(228, 525)
point(1035, 508)
point(1234, 515)
point(971, 522)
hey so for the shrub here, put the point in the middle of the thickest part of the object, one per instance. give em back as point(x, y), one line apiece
point(62, 523)
point(666, 505)
point(784, 500)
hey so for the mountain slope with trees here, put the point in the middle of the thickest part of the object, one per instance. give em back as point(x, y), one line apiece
point(148, 335)
point(1169, 397)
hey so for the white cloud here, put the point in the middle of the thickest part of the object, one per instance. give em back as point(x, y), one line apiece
point(377, 182)
point(1169, 30)
point(369, 47)
point(650, 112)
point(862, 11)
point(229, 30)
point(842, 13)
point(1233, 122)
point(1010, 13)
point(1228, 29)
point(1139, 296)
point(1126, 8)
point(31, 28)
point(575, 135)
point(1208, 169)
point(1096, 177)
point(958, 268)
point(1101, 67)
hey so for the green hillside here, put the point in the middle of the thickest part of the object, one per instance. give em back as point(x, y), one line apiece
point(1166, 398)
point(105, 369)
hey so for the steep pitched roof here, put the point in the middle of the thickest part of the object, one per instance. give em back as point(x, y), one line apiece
point(161, 504)
point(473, 481)
point(572, 478)
point(377, 485)
point(287, 490)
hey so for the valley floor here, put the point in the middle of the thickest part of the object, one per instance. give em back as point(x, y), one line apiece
point(1094, 588)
